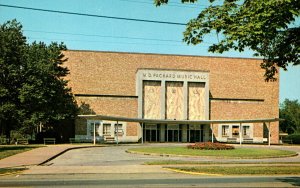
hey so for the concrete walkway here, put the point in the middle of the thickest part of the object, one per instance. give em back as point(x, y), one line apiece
point(37, 156)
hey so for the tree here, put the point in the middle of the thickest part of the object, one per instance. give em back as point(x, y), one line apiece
point(85, 109)
point(32, 86)
point(290, 112)
point(266, 27)
point(12, 47)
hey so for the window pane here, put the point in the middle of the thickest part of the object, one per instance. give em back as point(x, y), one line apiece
point(235, 130)
point(106, 128)
point(119, 128)
point(246, 130)
point(225, 130)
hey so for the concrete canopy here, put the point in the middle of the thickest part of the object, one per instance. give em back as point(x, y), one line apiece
point(166, 121)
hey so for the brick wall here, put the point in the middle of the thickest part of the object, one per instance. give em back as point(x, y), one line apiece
point(109, 73)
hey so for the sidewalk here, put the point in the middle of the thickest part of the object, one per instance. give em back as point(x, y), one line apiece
point(37, 156)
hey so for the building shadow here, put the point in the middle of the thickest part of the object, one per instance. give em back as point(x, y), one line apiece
point(295, 181)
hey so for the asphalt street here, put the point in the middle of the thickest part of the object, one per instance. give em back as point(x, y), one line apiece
point(146, 180)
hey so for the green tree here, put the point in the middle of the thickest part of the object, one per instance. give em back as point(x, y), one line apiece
point(290, 112)
point(265, 26)
point(33, 90)
point(12, 47)
point(85, 109)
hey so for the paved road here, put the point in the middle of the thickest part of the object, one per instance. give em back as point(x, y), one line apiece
point(113, 167)
point(151, 180)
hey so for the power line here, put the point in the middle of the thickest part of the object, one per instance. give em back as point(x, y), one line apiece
point(94, 15)
point(108, 36)
point(109, 42)
point(105, 36)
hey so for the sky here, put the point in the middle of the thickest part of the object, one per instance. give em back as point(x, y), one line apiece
point(80, 32)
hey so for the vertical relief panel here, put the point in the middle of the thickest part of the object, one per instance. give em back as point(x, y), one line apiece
point(174, 100)
point(151, 99)
point(196, 107)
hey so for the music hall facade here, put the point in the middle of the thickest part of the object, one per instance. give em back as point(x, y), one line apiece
point(137, 97)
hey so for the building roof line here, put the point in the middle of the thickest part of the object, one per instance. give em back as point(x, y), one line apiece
point(166, 54)
point(169, 121)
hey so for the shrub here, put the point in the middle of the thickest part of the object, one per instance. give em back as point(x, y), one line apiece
point(209, 146)
point(294, 137)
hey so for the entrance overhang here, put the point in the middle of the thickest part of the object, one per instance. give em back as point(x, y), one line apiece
point(190, 122)
point(167, 121)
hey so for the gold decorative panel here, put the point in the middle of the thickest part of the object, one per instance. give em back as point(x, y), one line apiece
point(174, 100)
point(151, 99)
point(196, 107)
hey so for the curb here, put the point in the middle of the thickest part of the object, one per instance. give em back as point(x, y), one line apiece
point(64, 151)
point(215, 157)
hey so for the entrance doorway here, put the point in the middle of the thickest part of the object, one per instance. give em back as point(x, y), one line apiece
point(173, 133)
point(151, 133)
point(195, 133)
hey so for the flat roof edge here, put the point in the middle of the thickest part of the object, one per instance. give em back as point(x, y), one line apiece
point(167, 54)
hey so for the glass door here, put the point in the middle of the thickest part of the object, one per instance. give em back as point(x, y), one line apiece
point(195, 133)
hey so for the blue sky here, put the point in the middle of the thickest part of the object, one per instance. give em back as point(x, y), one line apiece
point(94, 33)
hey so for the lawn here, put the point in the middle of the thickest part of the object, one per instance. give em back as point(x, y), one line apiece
point(217, 162)
point(241, 170)
point(6, 171)
point(6, 151)
point(253, 153)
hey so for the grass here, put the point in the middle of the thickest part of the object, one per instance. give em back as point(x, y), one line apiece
point(253, 153)
point(242, 170)
point(181, 162)
point(6, 151)
point(7, 171)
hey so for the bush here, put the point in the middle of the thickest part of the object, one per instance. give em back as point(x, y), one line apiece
point(210, 146)
point(294, 137)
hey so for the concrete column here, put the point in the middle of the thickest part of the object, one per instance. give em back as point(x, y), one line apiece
point(269, 127)
point(139, 92)
point(162, 132)
point(101, 129)
point(112, 129)
point(206, 133)
point(185, 100)
point(212, 133)
point(184, 133)
point(117, 131)
point(240, 133)
point(94, 133)
point(163, 100)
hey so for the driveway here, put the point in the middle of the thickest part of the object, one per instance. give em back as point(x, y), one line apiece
point(117, 155)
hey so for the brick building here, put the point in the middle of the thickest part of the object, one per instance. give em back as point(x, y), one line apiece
point(173, 98)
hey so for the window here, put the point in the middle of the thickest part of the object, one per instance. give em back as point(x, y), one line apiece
point(97, 126)
point(106, 128)
point(119, 129)
point(225, 130)
point(235, 130)
point(246, 130)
